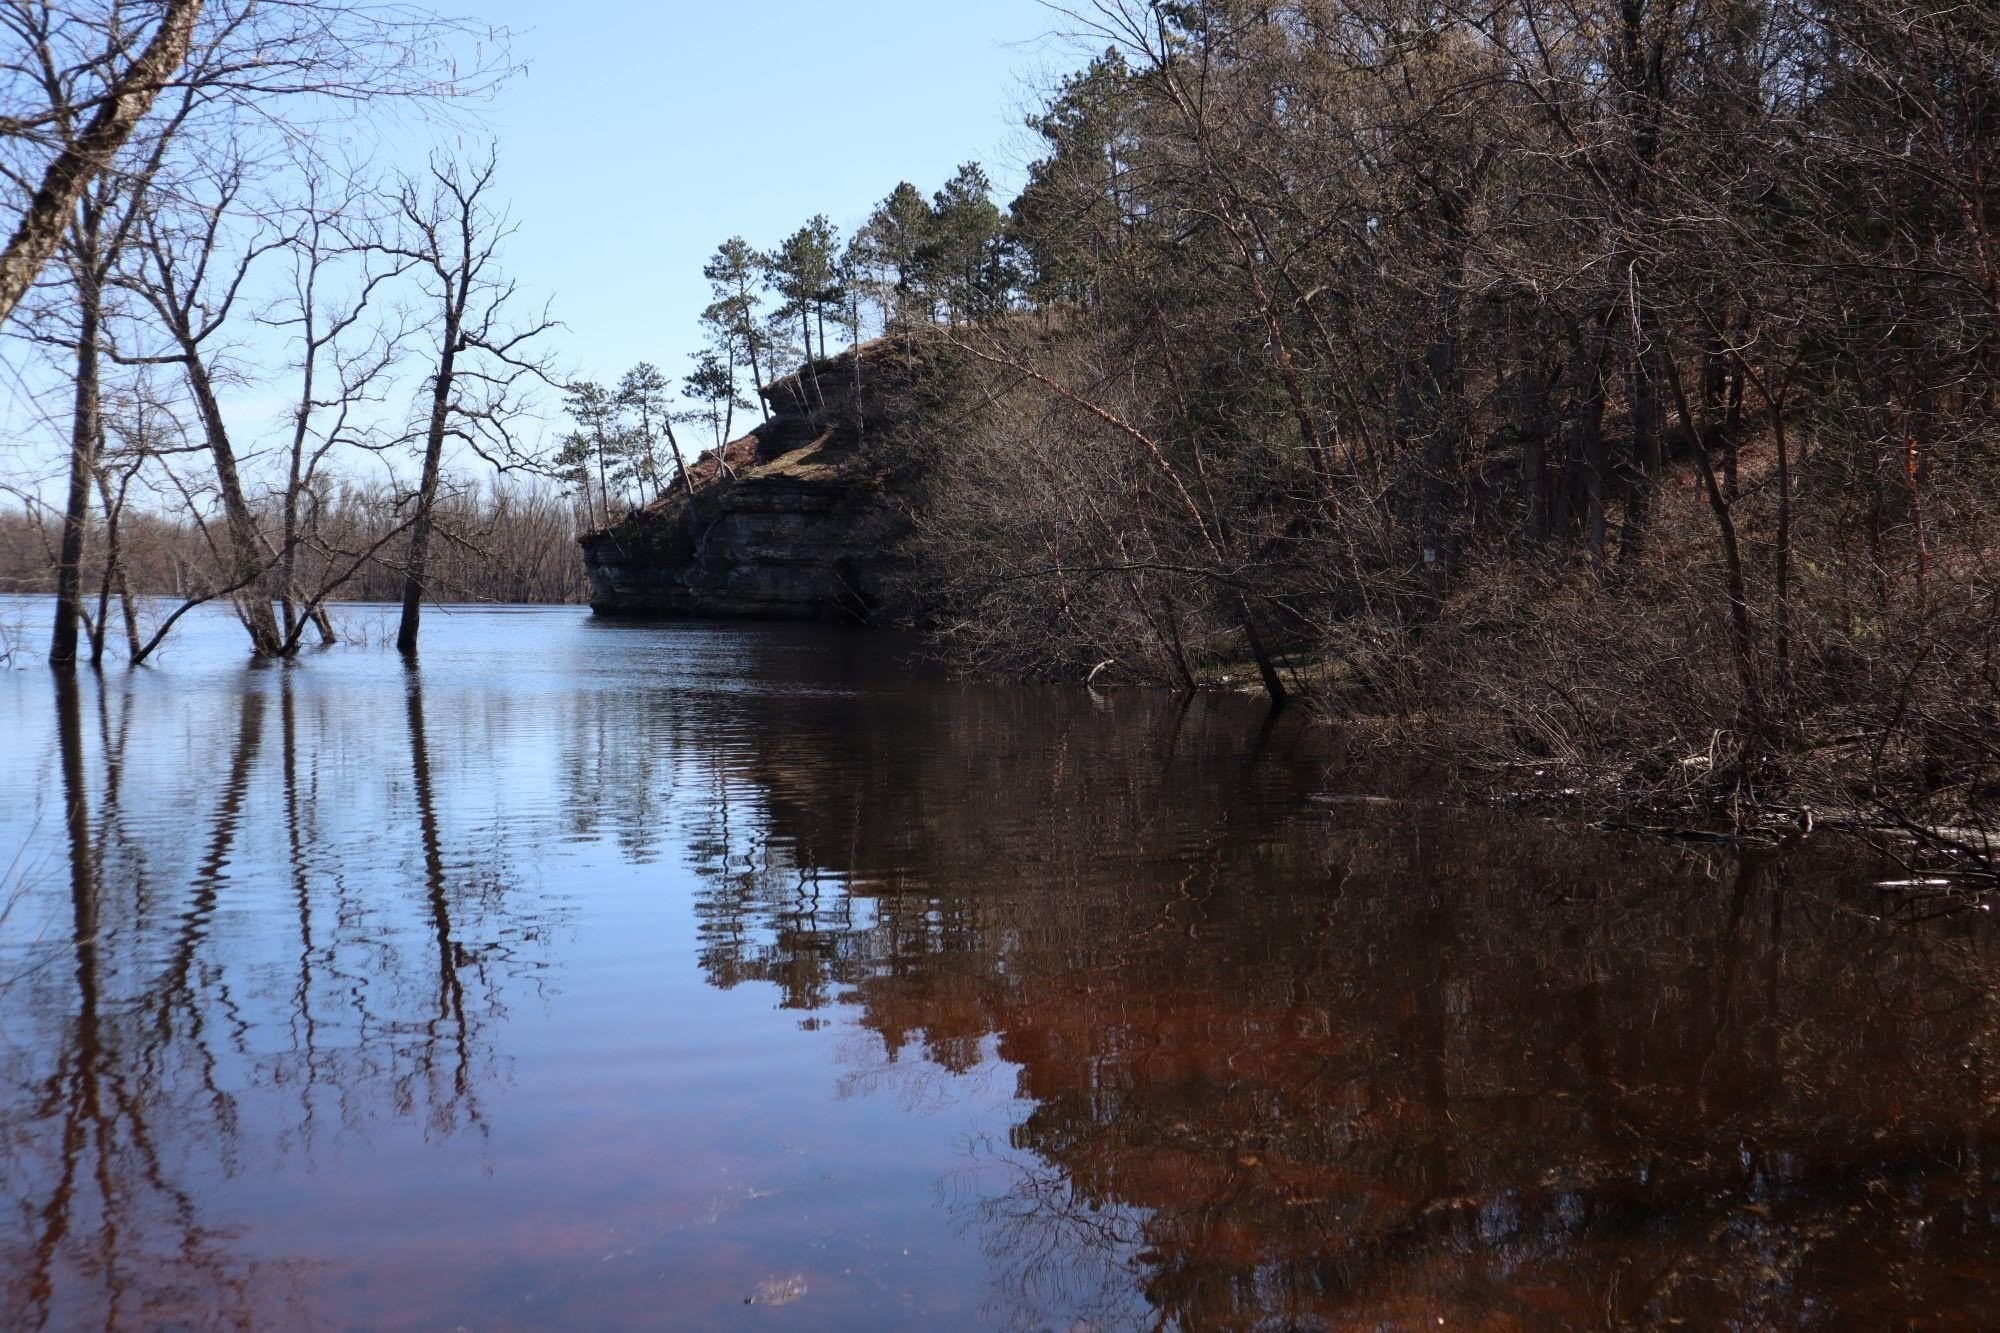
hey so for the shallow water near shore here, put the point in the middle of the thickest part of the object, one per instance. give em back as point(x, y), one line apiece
point(613, 975)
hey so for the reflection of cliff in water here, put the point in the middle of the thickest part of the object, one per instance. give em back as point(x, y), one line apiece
point(1287, 1062)
point(168, 1037)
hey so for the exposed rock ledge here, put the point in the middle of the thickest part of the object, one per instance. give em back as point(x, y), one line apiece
point(805, 518)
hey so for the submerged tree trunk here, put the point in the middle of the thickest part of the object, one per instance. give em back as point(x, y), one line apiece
point(288, 547)
point(113, 579)
point(83, 441)
point(1267, 670)
point(415, 562)
point(249, 568)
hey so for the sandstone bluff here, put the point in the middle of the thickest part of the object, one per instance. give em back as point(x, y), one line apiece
point(805, 518)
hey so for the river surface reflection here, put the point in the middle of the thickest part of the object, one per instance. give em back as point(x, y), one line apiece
point(614, 976)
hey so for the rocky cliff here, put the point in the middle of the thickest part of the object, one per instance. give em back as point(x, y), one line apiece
point(804, 518)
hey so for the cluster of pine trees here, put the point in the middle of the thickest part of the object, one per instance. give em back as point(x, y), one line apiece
point(912, 264)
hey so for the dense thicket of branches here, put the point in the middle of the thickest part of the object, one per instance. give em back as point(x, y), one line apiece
point(1614, 374)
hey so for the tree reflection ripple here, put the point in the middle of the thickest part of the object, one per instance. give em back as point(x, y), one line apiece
point(591, 973)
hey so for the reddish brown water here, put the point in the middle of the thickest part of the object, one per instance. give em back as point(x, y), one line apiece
point(603, 976)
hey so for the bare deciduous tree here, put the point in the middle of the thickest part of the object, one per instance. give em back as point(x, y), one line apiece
point(482, 355)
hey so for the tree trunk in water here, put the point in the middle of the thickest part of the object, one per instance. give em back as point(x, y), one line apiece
point(82, 467)
point(1267, 670)
point(420, 529)
point(288, 548)
point(114, 572)
point(249, 569)
point(130, 612)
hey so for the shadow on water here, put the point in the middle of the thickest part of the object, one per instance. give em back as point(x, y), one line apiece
point(1108, 984)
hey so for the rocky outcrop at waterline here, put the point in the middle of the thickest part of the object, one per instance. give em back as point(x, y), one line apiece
point(805, 518)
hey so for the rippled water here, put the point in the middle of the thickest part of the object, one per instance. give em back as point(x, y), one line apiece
point(608, 975)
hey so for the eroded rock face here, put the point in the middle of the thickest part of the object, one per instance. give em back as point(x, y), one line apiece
point(762, 546)
point(807, 522)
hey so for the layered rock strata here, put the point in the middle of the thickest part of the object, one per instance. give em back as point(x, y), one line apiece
point(803, 519)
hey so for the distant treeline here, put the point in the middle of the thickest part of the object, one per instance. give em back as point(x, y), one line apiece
point(501, 543)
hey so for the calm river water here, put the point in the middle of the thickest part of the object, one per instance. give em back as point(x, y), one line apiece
point(602, 976)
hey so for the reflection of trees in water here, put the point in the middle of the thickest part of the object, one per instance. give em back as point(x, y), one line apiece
point(839, 840)
point(110, 1206)
point(617, 766)
point(1488, 1077)
point(1048, 1249)
point(1370, 1063)
point(183, 1044)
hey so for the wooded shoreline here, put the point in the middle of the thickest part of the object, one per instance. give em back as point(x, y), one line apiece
point(1604, 390)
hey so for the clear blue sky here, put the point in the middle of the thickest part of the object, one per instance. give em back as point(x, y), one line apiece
point(645, 133)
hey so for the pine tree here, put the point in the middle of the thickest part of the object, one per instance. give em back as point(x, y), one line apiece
point(712, 383)
point(888, 245)
point(595, 450)
point(964, 257)
point(647, 423)
point(801, 272)
point(735, 315)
